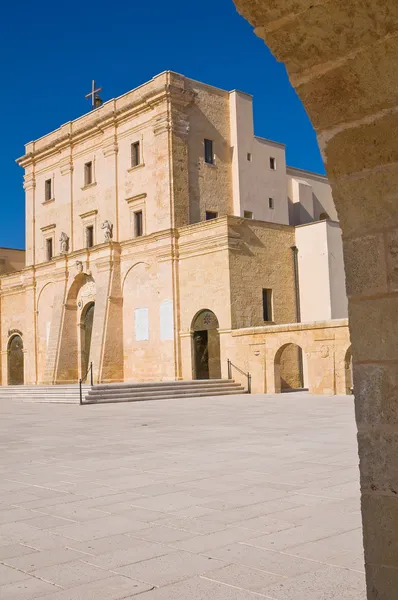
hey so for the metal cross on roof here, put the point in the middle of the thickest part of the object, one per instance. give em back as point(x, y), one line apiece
point(95, 99)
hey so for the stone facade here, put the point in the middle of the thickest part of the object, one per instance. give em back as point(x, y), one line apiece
point(152, 255)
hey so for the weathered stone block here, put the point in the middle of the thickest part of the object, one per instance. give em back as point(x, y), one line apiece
point(367, 201)
point(381, 529)
point(376, 328)
point(376, 390)
point(382, 582)
point(379, 469)
point(365, 266)
point(260, 13)
point(365, 147)
point(359, 86)
point(309, 38)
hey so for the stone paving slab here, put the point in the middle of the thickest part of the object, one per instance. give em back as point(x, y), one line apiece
point(233, 498)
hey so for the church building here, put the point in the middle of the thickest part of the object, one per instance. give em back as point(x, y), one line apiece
point(164, 238)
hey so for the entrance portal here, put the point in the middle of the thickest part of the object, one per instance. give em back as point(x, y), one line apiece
point(87, 329)
point(15, 361)
point(206, 346)
point(288, 367)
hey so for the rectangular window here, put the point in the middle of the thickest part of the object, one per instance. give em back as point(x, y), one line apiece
point(48, 189)
point(267, 305)
point(49, 248)
point(249, 156)
point(90, 236)
point(272, 163)
point(248, 214)
point(138, 224)
point(88, 173)
point(211, 215)
point(209, 155)
point(270, 202)
point(135, 154)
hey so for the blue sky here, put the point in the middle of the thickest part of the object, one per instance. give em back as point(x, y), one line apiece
point(49, 52)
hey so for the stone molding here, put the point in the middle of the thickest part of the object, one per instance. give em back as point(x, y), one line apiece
point(112, 113)
point(48, 227)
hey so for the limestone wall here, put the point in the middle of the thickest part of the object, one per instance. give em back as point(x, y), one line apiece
point(261, 258)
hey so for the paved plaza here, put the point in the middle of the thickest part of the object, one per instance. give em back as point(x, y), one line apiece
point(232, 498)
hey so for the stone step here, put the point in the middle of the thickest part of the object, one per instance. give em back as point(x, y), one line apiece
point(164, 396)
point(120, 392)
point(164, 384)
point(144, 389)
point(137, 392)
point(170, 392)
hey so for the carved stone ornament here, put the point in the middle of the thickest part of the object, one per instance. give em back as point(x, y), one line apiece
point(108, 230)
point(79, 266)
point(14, 332)
point(64, 243)
point(324, 351)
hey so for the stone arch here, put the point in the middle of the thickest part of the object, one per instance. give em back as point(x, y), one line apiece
point(147, 356)
point(86, 329)
point(69, 367)
point(341, 59)
point(206, 354)
point(289, 368)
point(131, 269)
point(15, 360)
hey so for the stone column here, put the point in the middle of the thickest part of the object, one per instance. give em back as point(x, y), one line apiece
point(107, 337)
point(342, 59)
point(29, 338)
point(60, 280)
point(30, 242)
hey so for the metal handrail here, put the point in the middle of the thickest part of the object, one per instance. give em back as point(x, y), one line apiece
point(82, 379)
point(249, 377)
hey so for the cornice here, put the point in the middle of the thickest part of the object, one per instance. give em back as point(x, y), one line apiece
point(48, 227)
point(108, 115)
point(90, 213)
point(136, 198)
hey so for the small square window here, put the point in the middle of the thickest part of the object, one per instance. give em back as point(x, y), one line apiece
point(88, 173)
point(211, 215)
point(90, 236)
point(267, 305)
point(48, 189)
point(49, 248)
point(249, 156)
point(138, 224)
point(248, 214)
point(272, 163)
point(135, 154)
point(270, 203)
point(209, 154)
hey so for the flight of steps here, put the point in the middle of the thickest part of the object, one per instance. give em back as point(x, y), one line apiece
point(59, 394)
point(137, 392)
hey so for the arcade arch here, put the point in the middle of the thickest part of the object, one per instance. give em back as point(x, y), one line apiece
point(341, 58)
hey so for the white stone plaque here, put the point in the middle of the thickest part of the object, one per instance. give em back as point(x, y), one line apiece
point(141, 324)
point(166, 320)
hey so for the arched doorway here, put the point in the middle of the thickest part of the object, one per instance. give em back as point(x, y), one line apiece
point(86, 333)
point(15, 364)
point(74, 352)
point(288, 368)
point(348, 372)
point(206, 346)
